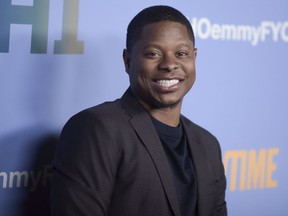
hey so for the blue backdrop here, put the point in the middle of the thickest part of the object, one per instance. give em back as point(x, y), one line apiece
point(58, 57)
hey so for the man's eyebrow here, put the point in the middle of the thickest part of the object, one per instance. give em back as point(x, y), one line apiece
point(152, 45)
point(180, 45)
point(185, 45)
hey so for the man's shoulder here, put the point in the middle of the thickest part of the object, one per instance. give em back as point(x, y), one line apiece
point(108, 107)
point(101, 112)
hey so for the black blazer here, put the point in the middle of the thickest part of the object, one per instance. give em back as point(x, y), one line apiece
point(110, 161)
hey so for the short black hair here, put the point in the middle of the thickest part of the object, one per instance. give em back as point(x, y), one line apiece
point(151, 15)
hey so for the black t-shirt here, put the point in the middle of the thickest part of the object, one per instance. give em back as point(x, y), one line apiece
point(175, 145)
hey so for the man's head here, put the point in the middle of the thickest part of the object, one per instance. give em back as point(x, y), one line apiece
point(160, 57)
point(152, 15)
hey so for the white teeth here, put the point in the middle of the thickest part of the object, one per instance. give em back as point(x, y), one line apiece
point(167, 83)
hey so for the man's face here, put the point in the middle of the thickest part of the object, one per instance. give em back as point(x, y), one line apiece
point(161, 65)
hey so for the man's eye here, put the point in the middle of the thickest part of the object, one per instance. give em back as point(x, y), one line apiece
point(152, 54)
point(182, 54)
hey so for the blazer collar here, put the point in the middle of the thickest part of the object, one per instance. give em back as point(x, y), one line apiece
point(143, 126)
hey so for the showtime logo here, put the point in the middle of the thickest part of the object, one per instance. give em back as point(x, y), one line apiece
point(265, 31)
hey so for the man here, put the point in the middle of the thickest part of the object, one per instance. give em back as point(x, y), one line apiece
point(138, 155)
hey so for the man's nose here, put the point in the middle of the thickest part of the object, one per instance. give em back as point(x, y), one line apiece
point(168, 63)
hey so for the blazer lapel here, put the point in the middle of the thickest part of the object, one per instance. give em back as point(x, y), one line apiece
point(197, 151)
point(199, 159)
point(144, 127)
point(149, 137)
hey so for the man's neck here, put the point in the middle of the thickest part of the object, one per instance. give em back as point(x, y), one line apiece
point(169, 116)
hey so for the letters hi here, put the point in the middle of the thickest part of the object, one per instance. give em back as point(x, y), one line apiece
point(36, 15)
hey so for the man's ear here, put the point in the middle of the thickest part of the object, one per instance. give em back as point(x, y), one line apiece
point(195, 52)
point(126, 59)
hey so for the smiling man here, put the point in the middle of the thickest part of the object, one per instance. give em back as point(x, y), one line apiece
point(138, 156)
point(161, 68)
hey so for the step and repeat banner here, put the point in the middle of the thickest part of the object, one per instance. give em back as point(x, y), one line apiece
point(58, 57)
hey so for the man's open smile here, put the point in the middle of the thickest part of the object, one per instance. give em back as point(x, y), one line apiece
point(167, 83)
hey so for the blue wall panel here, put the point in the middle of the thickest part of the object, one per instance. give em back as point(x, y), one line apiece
point(58, 57)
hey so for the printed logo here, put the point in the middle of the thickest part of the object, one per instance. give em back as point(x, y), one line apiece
point(267, 30)
point(252, 169)
point(37, 16)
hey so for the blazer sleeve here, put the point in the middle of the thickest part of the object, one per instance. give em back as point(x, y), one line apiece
point(85, 167)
